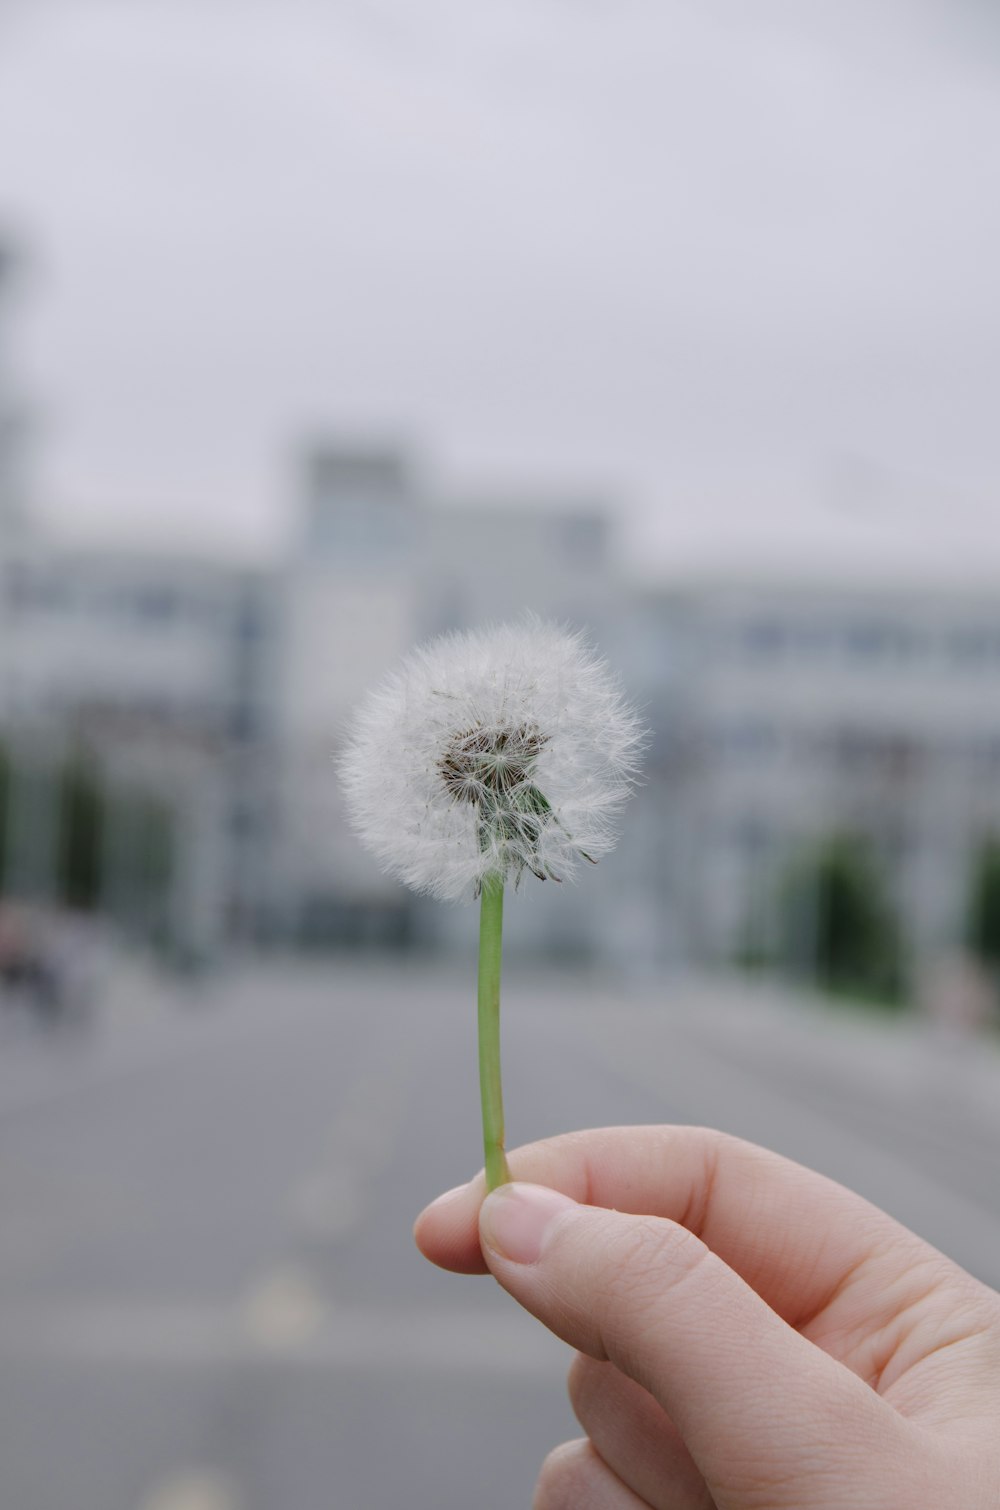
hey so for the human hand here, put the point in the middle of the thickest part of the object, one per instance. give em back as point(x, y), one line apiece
point(751, 1335)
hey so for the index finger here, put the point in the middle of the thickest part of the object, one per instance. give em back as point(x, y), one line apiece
point(792, 1234)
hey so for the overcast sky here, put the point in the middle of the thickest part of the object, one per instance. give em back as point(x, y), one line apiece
point(737, 264)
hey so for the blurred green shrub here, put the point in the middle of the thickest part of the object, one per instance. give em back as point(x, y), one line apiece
point(81, 833)
point(837, 924)
point(4, 812)
point(982, 920)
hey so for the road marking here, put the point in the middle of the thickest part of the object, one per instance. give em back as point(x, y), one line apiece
point(194, 1491)
point(332, 1201)
point(285, 1309)
point(484, 1344)
point(329, 1204)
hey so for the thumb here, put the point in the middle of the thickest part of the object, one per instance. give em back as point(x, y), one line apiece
point(752, 1398)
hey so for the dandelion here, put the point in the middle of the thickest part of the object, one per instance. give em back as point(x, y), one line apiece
point(487, 757)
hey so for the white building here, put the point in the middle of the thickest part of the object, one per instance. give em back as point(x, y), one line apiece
point(12, 407)
point(225, 692)
point(778, 715)
point(786, 714)
point(381, 562)
point(154, 668)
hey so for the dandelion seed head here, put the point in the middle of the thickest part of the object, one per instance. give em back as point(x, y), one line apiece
point(494, 752)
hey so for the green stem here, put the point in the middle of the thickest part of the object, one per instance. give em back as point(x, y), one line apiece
point(490, 949)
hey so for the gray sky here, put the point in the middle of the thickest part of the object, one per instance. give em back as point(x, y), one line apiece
point(736, 263)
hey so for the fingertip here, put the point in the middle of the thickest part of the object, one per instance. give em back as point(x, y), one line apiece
point(442, 1203)
point(447, 1231)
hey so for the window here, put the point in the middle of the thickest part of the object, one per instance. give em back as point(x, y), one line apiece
point(749, 739)
point(870, 639)
point(970, 646)
point(155, 603)
point(764, 637)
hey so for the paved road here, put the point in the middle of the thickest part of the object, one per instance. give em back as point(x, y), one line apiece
point(209, 1299)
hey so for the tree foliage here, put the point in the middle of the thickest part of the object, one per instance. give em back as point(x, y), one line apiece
point(5, 786)
point(982, 923)
point(81, 833)
point(838, 923)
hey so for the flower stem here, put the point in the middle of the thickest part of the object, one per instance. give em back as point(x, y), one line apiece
point(490, 949)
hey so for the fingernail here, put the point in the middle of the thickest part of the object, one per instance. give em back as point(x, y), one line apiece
point(515, 1220)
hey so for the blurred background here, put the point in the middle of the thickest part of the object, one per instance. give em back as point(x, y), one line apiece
point(327, 328)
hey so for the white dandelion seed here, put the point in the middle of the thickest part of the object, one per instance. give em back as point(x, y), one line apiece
point(490, 754)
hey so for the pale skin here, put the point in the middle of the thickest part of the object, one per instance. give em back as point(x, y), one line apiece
point(749, 1334)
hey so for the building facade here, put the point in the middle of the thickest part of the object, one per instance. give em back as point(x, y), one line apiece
point(13, 410)
point(383, 560)
point(225, 693)
point(785, 715)
point(151, 670)
point(220, 694)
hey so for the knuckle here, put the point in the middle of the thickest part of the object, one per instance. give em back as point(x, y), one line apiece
point(651, 1258)
point(639, 1280)
point(585, 1383)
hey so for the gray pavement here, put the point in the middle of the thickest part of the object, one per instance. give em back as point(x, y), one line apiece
point(209, 1297)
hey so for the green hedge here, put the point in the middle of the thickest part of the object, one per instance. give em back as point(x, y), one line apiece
point(838, 925)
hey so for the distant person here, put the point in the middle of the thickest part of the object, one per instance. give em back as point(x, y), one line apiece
point(751, 1335)
point(28, 968)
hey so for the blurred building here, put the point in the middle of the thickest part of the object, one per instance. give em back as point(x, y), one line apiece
point(135, 709)
point(382, 559)
point(784, 715)
point(195, 709)
point(145, 668)
point(169, 725)
point(13, 411)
